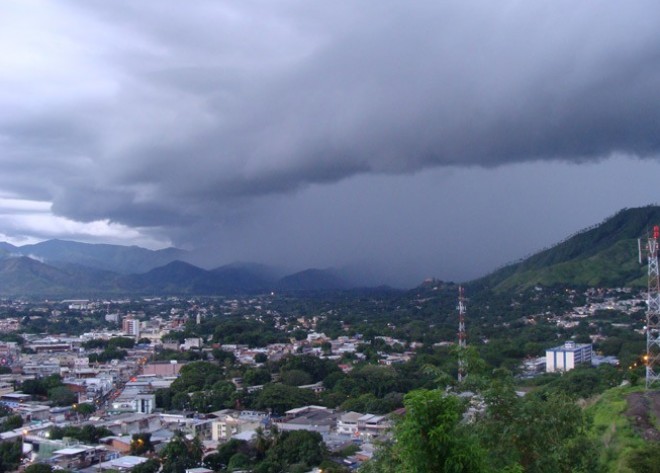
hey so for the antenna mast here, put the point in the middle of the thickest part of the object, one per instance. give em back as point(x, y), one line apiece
point(652, 356)
point(462, 342)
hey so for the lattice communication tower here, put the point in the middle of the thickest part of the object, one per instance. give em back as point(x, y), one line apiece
point(652, 356)
point(462, 341)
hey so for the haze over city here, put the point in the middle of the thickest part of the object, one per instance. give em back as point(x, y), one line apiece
point(401, 140)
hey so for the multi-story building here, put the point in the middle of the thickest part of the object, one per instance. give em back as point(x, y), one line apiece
point(131, 326)
point(567, 356)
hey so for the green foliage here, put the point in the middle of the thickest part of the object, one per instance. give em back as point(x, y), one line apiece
point(431, 438)
point(281, 398)
point(256, 377)
point(200, 386)
point(10, 455)
point(295, 378)
point(260, 358)
point(38, 468)
point(109, 354)
point(228, 450)
point(41, 386)
point(84, 408)
point(373, 405)
point(604, 255)
point(298, 446)
point(61, 396)
point(383, 461)
point(315, 367)
point(197, 376)
point(141, 444)
point(584, 382)
point(10, 423)
point(613, 430)
point(540, 433)
point(238, 461)
point(249, 332)
point(644, 459)
point(86, 434)
point(181, 454)
point(150, 466)
point(113, 343)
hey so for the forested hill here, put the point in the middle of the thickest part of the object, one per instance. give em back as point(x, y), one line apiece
point(603, 255)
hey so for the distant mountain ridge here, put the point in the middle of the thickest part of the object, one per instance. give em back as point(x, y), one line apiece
point(602, 255)
point(116, 258)
point(59, 267)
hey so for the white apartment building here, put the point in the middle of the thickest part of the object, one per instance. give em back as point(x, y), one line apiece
point(567, 356)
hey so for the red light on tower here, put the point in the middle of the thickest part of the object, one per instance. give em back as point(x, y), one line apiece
point(656, 232)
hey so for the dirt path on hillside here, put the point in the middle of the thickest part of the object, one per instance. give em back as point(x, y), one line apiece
point(643, 410)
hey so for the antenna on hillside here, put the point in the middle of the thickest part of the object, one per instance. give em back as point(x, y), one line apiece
point(462, 342)
point(652, 356)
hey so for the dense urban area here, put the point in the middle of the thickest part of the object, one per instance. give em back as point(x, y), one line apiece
point(341, 381)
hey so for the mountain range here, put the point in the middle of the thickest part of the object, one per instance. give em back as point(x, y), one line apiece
point(601, 255)
point(56, 267)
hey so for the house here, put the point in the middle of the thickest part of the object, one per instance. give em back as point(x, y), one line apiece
point(348, 423)
point(312, 418)
point(372, 425)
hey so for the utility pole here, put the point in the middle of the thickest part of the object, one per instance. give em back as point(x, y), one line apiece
point(462, 341)
point(652, 356)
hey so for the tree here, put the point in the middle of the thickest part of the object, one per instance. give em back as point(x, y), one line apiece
point(538, 433)
point(10, 455)
point(295, 378)
point(281, 398)
point(297, 447)
point(431, 438)
point(256, 377)
point(238, 461)
point(84, 409)
point(228, 450)
point(141, 444)
point(10, 423)
point(41, 386)
point(61, 396)
point(181, 454)
point(197, 376)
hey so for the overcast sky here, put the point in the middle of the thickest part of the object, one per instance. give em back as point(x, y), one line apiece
point(402, 139)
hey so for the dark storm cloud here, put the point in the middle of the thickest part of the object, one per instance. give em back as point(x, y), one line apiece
point(163, 113)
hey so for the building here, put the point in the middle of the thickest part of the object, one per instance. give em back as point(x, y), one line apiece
point(231, 423)
point(313, 418)
point(567, 356)
point(131, 326)
point(348, 423)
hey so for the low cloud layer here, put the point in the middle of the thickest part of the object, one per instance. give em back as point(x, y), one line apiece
point(165, 116)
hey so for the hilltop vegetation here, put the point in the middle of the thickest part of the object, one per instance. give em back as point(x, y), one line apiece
point(625, 427)
point(602, 255)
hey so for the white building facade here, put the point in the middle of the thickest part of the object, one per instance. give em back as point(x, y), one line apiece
point(567, 356)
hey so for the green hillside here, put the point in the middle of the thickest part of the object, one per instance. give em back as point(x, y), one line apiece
point(625, 428)
point(602, 255)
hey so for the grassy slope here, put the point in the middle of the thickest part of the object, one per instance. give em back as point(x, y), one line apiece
point(614, 266)
point(613, 429)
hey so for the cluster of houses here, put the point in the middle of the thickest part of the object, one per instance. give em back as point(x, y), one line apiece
point(123, 394)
